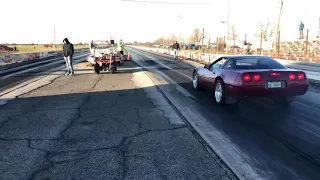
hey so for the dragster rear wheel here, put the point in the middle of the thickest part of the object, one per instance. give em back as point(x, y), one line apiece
point(97, 68)
point(113, 67)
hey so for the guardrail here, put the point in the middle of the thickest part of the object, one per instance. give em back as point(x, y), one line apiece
point(206, 57)
point(14, 58)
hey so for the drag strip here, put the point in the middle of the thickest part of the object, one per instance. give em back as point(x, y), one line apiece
point(259, 137)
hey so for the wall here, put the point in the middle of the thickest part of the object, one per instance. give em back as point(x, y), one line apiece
point(15, 58)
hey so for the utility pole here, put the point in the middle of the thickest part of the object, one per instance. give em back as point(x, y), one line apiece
point(54, 36)
point(163, 42)
point(279, 22)
point(228, 26)
point(319, 30)
point(180, 17)
point(202, 39)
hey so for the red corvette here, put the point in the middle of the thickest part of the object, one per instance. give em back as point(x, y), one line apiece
point(234, 77)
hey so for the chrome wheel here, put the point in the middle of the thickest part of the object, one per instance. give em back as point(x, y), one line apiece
point(195, 80)
point(218, 92)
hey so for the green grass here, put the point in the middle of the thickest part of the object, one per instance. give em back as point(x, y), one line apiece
point(40, 48)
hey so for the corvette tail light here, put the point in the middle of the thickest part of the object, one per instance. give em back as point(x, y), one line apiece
point(292, 77)
point(301, 76)
point(247, 78)
point(275, 74)
point(256, 77)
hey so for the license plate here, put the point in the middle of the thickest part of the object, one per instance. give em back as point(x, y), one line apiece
point(277, 84)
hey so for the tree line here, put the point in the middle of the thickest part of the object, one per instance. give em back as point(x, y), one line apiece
point(267, 31)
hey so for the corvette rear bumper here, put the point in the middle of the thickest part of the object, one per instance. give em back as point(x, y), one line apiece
point(262, 91)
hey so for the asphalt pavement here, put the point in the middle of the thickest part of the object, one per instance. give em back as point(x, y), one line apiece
point(106, 126)
point(258, 139)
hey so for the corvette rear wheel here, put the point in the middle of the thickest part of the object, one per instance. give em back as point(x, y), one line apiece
point(219, 92)
point(284, 101)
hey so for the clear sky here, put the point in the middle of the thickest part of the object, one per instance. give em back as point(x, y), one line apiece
point(33, 20)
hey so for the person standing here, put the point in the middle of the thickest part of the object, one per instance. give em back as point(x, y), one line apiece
point(301, 28)
point(68, 51)
point(92, 48)
point(176, 48)
point(250, 49)
point(120, 47)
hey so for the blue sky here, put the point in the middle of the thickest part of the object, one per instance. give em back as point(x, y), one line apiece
point(33, 20)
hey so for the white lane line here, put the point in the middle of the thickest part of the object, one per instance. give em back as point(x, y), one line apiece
point(28, 65)
point(164, 76)
point(28, 70)
point(186, 76)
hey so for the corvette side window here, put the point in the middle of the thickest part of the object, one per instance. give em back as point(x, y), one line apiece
point(217, 64)
point(229, 65)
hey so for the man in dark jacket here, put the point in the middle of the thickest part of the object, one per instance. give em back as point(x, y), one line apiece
point(176, 48)
point(68, 51)
point(301, 28)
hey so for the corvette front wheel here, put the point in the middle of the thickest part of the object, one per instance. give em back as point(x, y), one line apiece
point(195, 80)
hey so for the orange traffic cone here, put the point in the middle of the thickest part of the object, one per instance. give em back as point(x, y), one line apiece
point(129, 57)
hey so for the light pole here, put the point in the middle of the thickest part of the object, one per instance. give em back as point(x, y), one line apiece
point(225, 22)
point(228, 25)
point(319, 30)
point(180, 17)
point(162, 41)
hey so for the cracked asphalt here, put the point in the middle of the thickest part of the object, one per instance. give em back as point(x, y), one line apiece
point(106, 126)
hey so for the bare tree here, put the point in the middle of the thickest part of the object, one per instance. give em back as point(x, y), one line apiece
point(196, 36)
point(272, 32)
point(173, 38)
point(264, 30)
point(158, 41)
point(234, 34)
point(267, 32)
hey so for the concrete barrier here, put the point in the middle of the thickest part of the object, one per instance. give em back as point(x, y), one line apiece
point(14, 58)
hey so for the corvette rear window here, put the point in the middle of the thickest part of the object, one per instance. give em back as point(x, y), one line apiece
point(254, 63)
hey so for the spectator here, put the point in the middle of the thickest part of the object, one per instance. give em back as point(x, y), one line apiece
point(121, 48)
point(250, 49)
point(68, 51)
point(92, 48)
point(245, 48)
point(301, 28)
point(176, 48)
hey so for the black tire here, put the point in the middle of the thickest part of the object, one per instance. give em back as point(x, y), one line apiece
point(97, 68)
point(115, 68)
point(222, 98)
point(195, 82)
point(284, 101)
point(112, 68)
